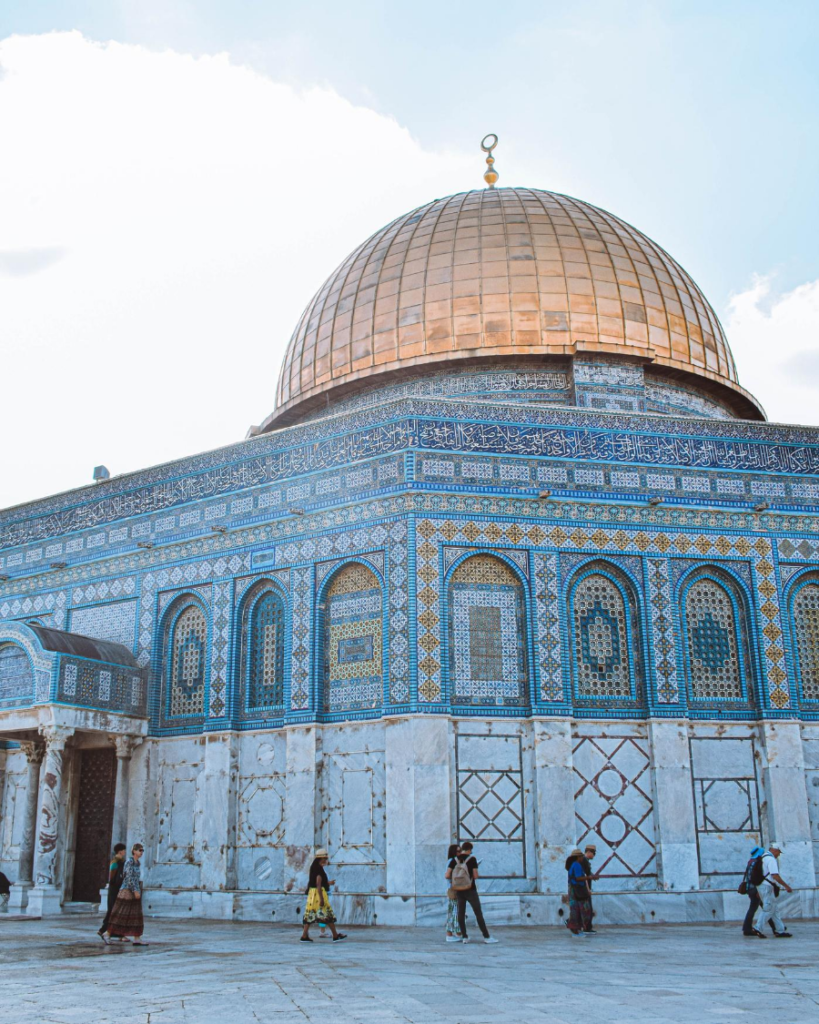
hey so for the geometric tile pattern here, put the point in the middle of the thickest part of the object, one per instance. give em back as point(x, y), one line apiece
point(432, 534)
point(16, 675)
point(601, 641)
point(222, 604)
point(614, 806)
point(769, 623)
point(712, 639)
point(805, 610)
point(188, 660)
point(114, 621)
point(353, 640)
point(547, 597)
point(664, 654)
point(487, 634)
point(301, 582)
point(490, 805)
point(266, 656)
point(398, 620)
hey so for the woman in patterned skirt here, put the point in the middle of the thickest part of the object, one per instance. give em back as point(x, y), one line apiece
point(453, 930)
point(318, 909)
point(126, 917)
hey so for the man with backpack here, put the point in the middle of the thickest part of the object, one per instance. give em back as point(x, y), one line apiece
point(461, 875)
point(768, 889)
point(749, 887)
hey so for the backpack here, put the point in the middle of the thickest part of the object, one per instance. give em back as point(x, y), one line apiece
point(461, 877)
point(756, 875)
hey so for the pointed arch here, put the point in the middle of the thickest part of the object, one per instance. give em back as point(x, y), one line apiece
point(487, 635)
point(185, 660)
point(351, 626)
point(803, 604)
point(262, 631)
point(714, 615)
point(606, 637)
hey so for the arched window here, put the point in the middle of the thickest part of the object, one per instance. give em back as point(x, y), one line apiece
point(353, 674)
point(265, 662)
point(605, 637)
point(487, 633)
point(187, 647)
point(805, 618)
point(16, 676)
point(714, 640)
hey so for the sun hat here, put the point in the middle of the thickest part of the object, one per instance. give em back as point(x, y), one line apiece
point(321, 852)
point(576, 853)
point(775, 845)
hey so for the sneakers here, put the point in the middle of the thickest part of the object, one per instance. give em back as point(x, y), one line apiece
point(452, 938)
point(465, 939)
point(783, 935)
point(490, 940)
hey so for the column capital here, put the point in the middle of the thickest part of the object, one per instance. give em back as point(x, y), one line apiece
point(125, 744)
point(33, 749)
point(56, 736)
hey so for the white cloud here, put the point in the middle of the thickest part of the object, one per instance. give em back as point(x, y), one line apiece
point(164, 221)
point(775, 341)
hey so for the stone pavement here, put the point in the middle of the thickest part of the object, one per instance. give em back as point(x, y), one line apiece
point(195, 972)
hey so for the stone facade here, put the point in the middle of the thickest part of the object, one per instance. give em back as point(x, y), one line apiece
point(528, 606)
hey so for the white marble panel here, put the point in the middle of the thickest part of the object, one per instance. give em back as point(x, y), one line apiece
point(394, 911)
point(723, 758)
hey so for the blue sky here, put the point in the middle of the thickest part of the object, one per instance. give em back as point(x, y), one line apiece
point(143, 181)
point(696, 121)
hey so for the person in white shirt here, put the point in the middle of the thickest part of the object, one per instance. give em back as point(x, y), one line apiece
point(771, 877)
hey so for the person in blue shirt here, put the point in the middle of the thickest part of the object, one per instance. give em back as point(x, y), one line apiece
point(580, 911)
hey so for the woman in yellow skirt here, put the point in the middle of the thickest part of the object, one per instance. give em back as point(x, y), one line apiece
point(318, 909)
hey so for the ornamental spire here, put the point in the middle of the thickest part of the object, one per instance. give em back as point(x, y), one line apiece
point(490, 174)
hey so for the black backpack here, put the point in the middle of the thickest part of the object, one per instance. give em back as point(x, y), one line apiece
point(756, 875)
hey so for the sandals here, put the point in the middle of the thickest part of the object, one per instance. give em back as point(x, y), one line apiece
point(340, 935)
point(305, 938)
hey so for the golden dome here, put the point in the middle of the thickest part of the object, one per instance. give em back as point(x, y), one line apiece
point(498, 273)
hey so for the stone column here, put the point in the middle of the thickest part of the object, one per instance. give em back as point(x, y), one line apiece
point(217, 785)
point(46, 895)
point(555, 824)
point(302, 765)
point(786, 798)
point(676, 835)
point(400, 820)
point(433, 810)
point(34, 750)
point(124, 747)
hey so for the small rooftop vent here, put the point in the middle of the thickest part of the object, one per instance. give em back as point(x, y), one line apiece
point(101, 473)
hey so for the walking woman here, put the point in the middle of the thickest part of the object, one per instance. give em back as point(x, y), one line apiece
point(126, 917)
point(453, 931)
point(116, 870)
point(317, 908)
point(580, 912)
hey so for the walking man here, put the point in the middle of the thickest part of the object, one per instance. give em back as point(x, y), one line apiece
point(753, 878)
point(772, 881)
point(461, 874)
point(585, 862)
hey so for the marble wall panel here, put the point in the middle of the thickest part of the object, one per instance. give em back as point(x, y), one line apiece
point(352, 806)
point(177, 853)
point(727, 805)
point(614, 803)
point(12, 805)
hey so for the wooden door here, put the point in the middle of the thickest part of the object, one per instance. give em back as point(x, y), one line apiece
point(95, 820)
